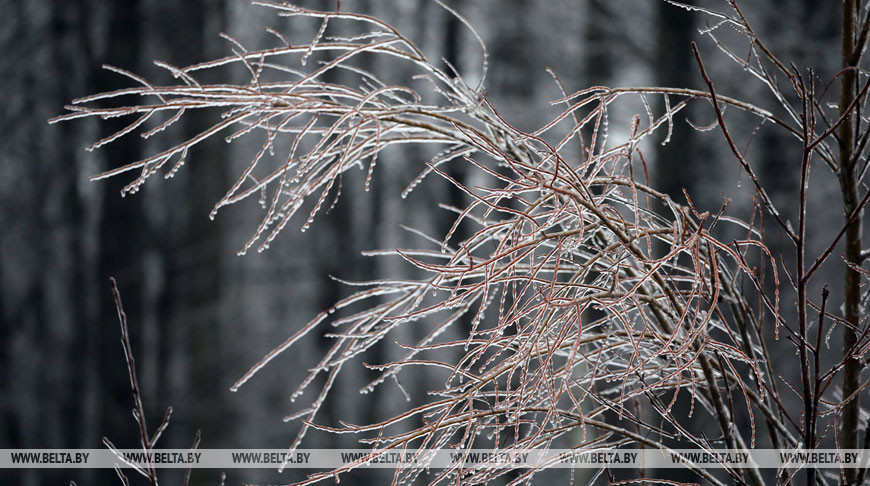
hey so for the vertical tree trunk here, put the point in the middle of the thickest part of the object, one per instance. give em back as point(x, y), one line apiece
point(675, 167)
point(120, 227)
point(69, 55)
point(598, 56)
point(193, 246)
point(452, 45)
point(849, 188)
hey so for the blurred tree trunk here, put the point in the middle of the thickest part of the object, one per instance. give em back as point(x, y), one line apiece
point(598, 58)
point(70, 56)
point(193, 247)
point(456, 169)
point(203, 242)
point(46, 317)
point(676, 167)
point(120, 234)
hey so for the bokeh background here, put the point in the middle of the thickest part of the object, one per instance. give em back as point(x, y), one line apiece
point(199, 314)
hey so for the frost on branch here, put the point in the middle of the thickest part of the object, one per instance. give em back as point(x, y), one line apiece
point(579, 299)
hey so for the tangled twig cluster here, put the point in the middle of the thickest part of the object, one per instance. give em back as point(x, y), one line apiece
point(580, 299)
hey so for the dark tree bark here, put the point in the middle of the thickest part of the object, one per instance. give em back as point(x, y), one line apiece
point(849, 181)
